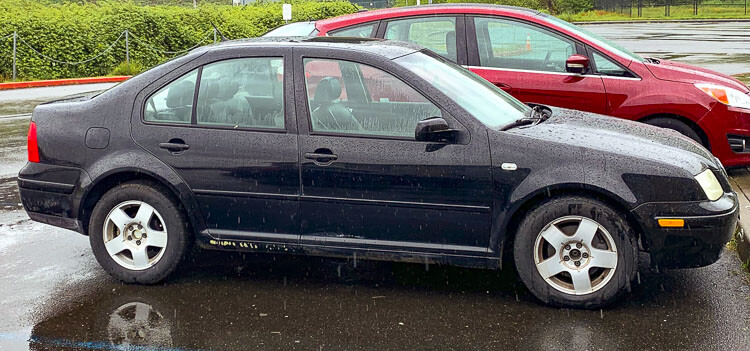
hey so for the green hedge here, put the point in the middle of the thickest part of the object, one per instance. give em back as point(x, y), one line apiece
point(77, 31)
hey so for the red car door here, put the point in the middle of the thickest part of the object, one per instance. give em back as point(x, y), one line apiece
point(528, 61)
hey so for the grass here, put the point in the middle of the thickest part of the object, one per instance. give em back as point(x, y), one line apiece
point(745, 78)
point(682, 12)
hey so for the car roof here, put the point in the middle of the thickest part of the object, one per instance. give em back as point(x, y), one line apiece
point(389, 49)
point(366, 16)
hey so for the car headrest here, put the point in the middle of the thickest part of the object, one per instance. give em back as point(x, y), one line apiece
point(450, 44)
point(228, 88)
point(181, 94)
point(328, 89)
point(209, 90)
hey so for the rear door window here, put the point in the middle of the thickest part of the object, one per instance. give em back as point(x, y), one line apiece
point(435, 33)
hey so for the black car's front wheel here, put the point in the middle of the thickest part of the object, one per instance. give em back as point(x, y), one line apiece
point(575, 252)
point(138, 233)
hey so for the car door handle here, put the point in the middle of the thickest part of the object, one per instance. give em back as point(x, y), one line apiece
point(175, 145)
point(320, 157)
point(503, 86)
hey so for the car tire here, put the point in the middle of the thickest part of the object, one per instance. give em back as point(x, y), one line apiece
point(678, 126)
point(547, 242)
point(133, 254)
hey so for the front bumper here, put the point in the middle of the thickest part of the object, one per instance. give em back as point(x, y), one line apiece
point(727, 128)
point(709, 225)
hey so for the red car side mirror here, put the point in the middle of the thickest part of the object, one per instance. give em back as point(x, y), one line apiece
point(578, 64)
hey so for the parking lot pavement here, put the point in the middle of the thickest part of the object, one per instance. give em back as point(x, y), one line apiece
point(723, 46)
point(55, 295)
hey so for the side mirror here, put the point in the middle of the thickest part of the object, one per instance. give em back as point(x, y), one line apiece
point(434, 129)
point(577, 64)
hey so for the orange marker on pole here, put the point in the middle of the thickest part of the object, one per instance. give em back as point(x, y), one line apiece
point(528, 42)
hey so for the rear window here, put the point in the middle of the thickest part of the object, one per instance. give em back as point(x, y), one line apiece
point(297, 29)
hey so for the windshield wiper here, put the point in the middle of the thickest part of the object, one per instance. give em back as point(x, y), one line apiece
point(536, 115)
point(519, 122)
point(652, 60)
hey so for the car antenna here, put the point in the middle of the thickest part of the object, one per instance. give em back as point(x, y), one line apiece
point(223, 38)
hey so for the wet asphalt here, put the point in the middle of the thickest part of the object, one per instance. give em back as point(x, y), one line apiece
point(55, 296)
point(723, 47)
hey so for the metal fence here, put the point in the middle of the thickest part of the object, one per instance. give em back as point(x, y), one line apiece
point(373, 4)
point(637, 7)
point(126, 35)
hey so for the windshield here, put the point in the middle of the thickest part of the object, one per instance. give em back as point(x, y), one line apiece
point(297, 29)
point(486, 102)
point(595, 38)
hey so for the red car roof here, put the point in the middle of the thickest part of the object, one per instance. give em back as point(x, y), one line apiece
point(366, 16)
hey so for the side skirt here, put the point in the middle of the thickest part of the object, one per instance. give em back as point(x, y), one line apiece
point(285, 244)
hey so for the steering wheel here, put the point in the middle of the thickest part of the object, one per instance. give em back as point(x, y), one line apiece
point(547, 63)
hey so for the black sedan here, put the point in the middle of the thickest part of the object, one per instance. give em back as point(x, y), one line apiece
point(372, 150)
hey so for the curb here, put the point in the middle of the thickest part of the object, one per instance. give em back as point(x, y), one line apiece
point(742, 236)
point(58, 82)
point(705, 20)
point(18, 116)
point(743, 247)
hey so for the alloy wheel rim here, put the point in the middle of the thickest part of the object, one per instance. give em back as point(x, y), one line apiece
point(575, 255)
point(135, 235)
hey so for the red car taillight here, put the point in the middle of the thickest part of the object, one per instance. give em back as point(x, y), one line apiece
point(33, 146)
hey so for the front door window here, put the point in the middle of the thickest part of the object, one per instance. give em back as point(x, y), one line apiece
point(352, 98)
point(514, 45)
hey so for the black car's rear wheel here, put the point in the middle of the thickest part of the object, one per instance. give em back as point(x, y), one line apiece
point(138, 233)
point(575, 252)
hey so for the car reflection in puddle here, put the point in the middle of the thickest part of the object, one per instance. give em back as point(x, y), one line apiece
point(120, 323)
point(290, 302)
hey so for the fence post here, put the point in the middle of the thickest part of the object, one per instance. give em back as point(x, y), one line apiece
point(127, 47)
point(214, 35)
point(15, 34)
point(640, 5)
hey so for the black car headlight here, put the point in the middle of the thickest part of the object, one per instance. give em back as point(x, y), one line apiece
point(710, 184)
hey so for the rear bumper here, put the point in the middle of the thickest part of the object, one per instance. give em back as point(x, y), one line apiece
point(51, 194)
point(62, 222)
point(709, 225)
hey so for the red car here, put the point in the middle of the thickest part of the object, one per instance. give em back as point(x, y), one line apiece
point(541, 59)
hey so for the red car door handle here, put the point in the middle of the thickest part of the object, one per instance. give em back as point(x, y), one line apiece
point(503, 86)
